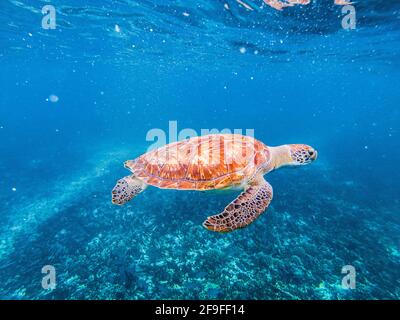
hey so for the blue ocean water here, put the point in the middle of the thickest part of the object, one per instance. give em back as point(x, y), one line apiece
point(78, 100)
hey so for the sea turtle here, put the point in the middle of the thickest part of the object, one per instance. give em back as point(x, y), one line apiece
point(215, 161)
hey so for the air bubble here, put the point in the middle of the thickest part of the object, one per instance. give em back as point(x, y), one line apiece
point(53, 98)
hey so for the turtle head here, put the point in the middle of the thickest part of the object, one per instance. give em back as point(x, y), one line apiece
point(292, 155)
point(302, 154)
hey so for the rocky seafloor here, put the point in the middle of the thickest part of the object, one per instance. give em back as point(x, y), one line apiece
point(155, 247)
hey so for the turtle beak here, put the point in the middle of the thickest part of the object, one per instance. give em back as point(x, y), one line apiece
point(313, 154)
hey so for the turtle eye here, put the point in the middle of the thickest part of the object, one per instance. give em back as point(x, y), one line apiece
point(310, 152)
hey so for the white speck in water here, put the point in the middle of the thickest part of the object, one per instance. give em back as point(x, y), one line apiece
point(256, 52)
point(117, 28)
point(57, 130)
point(14, 189)
point(366, 147)
point(242, 50)
point(251, 78)
point(102, 93)
point(151, 30)
point(53, 98)
point(186, 14)
point(30, 34)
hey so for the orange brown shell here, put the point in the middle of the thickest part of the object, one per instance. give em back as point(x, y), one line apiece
point(214, 161)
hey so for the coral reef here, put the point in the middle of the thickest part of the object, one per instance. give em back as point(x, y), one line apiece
point(156, 248)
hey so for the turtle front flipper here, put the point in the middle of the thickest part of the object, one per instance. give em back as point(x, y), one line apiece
point(126, 189)
point(242, 211)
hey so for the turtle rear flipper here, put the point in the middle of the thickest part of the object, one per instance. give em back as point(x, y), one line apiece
point(243, 210)
point(126, 189)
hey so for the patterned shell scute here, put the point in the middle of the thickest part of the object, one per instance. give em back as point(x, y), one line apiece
point(214, 161)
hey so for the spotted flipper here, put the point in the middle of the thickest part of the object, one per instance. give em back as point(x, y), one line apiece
point(127, 188)
point(243, 210)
